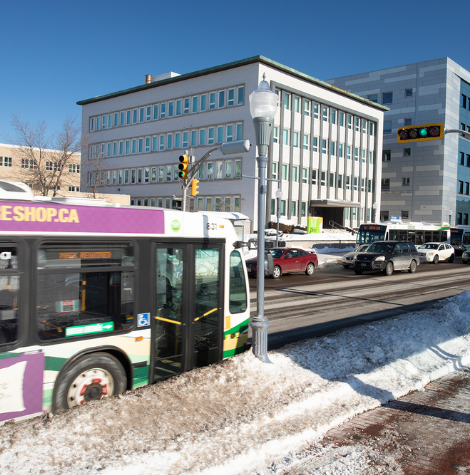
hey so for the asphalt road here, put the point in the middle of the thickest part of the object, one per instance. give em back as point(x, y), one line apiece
point(300, 307)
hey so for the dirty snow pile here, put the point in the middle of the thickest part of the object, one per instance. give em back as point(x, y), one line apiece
point(246, 417)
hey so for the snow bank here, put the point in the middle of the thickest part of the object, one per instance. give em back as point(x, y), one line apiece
point(232, 417)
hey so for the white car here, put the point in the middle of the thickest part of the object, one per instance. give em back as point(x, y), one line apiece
point(348, 259)
point(436, 251)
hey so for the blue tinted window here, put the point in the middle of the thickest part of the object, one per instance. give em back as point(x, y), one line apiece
point(239, 131)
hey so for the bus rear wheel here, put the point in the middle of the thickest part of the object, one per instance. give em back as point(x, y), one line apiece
point(90, 378)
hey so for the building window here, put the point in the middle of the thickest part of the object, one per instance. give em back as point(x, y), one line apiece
point(221, 99)
point(296, 104)
point(304, 175)
point(323, 178)
point(408, 122)
point(314, 177)
point(386, 155)
point(231, 97)
point(74, 188)
point(340, 181)
point(371, 158)
point(296, 139)
point(355, 183)
point(460, 187)
point(467, 188)
point(315, 111)
point(274, 171)
point(212, 100)
point(333, 116)
point(463, 102)
point(348, 152)
point(408, 92)
point(6, 162)
point(340, 150)
point(283, 207)
point(357, 124)
point(348, 182)
point(356, 154)
point(349, 122)
point(385, 184)
point(387, 126)
point(363, 156)
point(323, 146)
point(315, 144)
point(293, 208)
point(307, 108)
point(295, 174)
point(286, 101)
point(371, 129)
point(73, 168)
point(406, 152)
point(325, 113)
point(333, 148)
point(285, 136)
point(203, 102)
point(332, 180)
point(210, 172)
point(369, 186)
point(341, 119)
point(285, 173)
point(372, 97)
point(387, 97)
point(404, 214)
point(462, 158)
point(468, 160)
point(306, 141)
point(276, 134)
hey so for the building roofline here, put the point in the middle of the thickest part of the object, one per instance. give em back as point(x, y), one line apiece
point(236, 64)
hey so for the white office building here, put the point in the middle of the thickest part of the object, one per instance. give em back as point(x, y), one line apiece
point(324, 148)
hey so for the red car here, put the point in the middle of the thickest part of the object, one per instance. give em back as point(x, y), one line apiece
point(287, 261)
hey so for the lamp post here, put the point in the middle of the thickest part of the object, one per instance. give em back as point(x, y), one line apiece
point(263, 106)
point(375, 206)
point(278, 197)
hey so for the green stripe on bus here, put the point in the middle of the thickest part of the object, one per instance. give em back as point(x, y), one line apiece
point(8, 355)
point(141, 376)
point(53, 363)
point(235, 351)
point(47, 397)
point(240, 328)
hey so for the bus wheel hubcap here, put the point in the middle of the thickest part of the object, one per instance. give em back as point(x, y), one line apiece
point(90, 385)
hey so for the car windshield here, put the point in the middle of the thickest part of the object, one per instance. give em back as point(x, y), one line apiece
point(277, 253)
point(363, 248)
point(429, 246)
point(380, 247)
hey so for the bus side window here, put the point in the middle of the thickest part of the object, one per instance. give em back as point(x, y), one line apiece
point(9, 294)
point(238, 300)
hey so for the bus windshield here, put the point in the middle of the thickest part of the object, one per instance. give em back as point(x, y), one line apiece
point(368, 236)
point(456, 237)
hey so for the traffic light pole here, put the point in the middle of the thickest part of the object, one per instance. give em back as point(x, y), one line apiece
point(458, 131)
point(239, 146)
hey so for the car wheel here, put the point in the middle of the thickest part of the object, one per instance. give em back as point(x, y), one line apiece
point(358, 272)
point(277, 272)
point(310, 268)
point(436, 259)
point(451, 258)
point(412, 268)
point(90, 378)
point(388, 268)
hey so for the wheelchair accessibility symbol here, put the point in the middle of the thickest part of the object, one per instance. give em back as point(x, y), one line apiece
point(143, 319)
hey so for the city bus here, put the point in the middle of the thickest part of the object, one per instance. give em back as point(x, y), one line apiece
point(460, 238)
point(417, 233)
point(97, 300)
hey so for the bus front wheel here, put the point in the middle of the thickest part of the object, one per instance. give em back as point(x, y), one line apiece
point(91, 378)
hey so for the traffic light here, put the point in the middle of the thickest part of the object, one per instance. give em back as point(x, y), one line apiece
point(420, 133)
point(194, 187)
point(183, 167)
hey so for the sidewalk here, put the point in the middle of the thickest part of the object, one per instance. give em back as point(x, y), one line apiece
point(424, 432)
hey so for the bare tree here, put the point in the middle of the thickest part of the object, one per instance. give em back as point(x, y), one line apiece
point(94, 173)
point(44, 158)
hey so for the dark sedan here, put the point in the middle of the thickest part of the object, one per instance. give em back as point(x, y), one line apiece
point(287, 261)
point(388, 256)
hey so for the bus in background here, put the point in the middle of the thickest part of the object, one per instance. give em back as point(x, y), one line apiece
point(460, 238)
point(96, 300)
point(417, 233)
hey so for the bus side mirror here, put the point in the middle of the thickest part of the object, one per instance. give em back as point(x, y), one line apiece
point(268, 264)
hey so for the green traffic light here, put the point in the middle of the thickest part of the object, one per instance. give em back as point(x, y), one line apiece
point(423, 132)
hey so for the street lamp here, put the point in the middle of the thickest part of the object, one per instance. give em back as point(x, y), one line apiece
point(263, 106)
point(279, 197)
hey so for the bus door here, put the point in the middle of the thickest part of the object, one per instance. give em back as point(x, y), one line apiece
point(188, 308)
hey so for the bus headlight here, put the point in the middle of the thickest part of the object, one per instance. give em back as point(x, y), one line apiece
point(380, 258)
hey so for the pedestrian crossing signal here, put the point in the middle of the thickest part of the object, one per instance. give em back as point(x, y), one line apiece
point(420, 133)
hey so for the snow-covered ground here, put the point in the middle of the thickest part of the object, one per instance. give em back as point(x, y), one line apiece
point(246, 417)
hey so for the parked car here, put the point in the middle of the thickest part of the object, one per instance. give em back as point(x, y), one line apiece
point(388, 256)
point(287, 261)
point(348, 259)
point(466, 256)
point(436, 251)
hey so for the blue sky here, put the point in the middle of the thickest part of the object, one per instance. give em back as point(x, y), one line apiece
point(55, 53)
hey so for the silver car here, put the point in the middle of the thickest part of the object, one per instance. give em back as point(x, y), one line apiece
point(348, 259)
